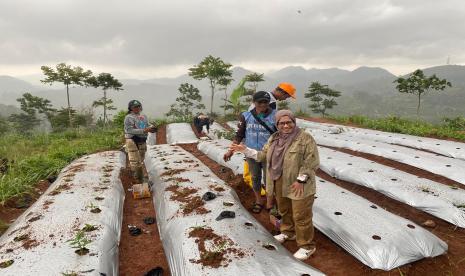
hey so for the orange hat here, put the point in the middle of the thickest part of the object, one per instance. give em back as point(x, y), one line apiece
point(288, 88)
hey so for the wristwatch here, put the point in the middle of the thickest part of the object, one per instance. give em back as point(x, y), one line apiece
point(302, 178)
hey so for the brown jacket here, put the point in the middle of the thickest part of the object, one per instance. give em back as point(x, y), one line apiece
point(300, 158)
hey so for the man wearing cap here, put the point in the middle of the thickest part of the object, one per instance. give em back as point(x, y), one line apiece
point(255, 126)
point(281, 93)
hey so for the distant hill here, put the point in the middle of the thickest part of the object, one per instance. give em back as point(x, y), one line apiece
point(7, 110)
point(365, 90)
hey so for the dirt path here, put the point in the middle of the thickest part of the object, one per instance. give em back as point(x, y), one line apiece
point(332, 259)
point(139, 254)
point(16, 206)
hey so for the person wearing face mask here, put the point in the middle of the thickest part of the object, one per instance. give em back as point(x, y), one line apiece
point(136, 127)
point(292, 157)
point(255, 127)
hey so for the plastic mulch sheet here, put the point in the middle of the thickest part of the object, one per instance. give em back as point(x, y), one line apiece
point(216, 130)
point(215, 149)
point(442, 201)
point(88, 191)
point(241, 244)
point(443, 147)
point(233, 125)
point(180, 133)
point(376, 237)
point(448, 167)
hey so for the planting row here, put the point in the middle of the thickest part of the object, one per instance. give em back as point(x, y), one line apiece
point(74, 227)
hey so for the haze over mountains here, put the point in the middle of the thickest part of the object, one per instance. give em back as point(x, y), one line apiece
point(365, 90)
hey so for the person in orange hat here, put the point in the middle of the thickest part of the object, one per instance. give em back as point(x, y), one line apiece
point(282, 92)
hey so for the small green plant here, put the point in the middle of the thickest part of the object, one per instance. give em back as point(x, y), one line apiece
point(229, 134)
point(71, 273)
point(80, 242)
point(6, 264)
point(89, 228)
point(198, 227)
point(91, 206)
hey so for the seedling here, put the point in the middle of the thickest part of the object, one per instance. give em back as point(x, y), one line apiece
point(6, 264)
point(198, 227)
point(93, 208)
point(461, 206)
point(89, 228)
point(71, 273)
point(80, 241)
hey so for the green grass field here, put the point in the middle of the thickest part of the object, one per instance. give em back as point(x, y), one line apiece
point(38, 156)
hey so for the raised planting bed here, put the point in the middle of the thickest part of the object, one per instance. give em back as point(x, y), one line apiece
point(195, 242)
point(180, 133)
point(215, 149)
point(355, 224)
point(443, 147)
point(74, 227)
point(216, 131)
point(233, 125)
point(434, 163)
point(443, 201)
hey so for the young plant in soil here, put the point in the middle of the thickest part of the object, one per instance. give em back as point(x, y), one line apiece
point(80, 241)
point(71, 273)
point(6, 264)
point(89, 228)
point(93, 208)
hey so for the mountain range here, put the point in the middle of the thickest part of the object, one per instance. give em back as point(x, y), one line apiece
point(365, 90)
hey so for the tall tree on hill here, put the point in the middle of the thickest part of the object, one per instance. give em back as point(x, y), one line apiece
point(107, 82)
point(418, 84)
point(189, 100)
point(31, 106)
point(322, 97)
point(214, 69)
point(67, 75)
point(254, 79)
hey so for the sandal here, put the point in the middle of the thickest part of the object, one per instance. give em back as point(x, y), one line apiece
point(257, 208)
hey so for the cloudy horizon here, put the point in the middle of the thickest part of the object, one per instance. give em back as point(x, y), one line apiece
point(148, 39)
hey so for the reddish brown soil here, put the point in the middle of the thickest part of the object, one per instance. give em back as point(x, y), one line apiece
point(139, 254)
point(161, 135)
point(8, 211)
point(226, 126)
point(332, 259)
point(330, 121)
point(403, 167)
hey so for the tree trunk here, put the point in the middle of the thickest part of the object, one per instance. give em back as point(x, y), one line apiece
point(104, 107)
point(212, 97)
point(69, 107)
point(418, 106)
point(225, 99)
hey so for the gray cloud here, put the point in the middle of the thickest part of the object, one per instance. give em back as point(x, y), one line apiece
point(146, 35)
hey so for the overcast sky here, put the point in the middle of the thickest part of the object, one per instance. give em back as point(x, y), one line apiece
point(149, 38)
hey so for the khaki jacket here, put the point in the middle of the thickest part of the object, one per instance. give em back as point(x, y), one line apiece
point(301, 157)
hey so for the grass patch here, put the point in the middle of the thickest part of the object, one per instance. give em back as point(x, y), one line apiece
point(37, 156)
point(450, 128)
point(3, 226)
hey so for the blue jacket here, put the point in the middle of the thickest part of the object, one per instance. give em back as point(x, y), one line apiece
point(257, 135)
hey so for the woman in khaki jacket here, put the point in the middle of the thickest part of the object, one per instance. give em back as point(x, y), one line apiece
point(292, 157)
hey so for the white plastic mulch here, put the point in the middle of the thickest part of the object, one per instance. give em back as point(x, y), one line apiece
point(180, 133)
point(246, 234)
point(37, 242)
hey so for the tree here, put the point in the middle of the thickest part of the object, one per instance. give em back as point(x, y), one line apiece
point(31, 106)
point(67, 75)
point(418, 84)
point(234, 101)
point(254, 78)
point(322, 96)
point(4, 127)
point(224, 83)
point(214, 69)
point(189, 100)
point(107, 82)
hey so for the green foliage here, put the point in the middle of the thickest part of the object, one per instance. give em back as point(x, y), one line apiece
point(187, 103)
point(60, 120)
point(4, 126)
point(301, 113)
point(322, 97)
point(457, 123)
point(235, 102)
point(79, 241)
point(118, 119)
point(400, 125)
point(67, 75)
point(214, 69)
point(228, 134)
point(418, 84)
point(224, 83)
point(37, 156)
point(107, 82)
point(254, 79)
